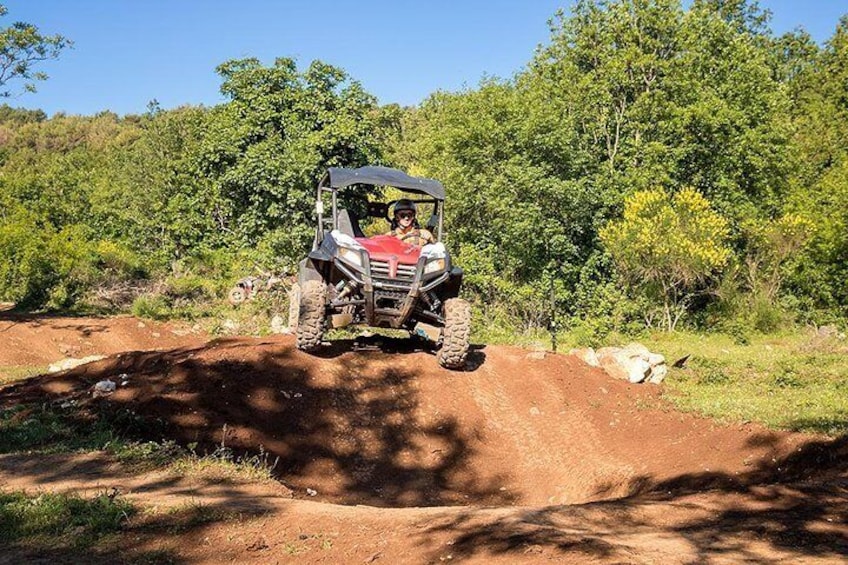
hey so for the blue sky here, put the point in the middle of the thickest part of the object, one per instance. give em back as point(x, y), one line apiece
point(127, 53)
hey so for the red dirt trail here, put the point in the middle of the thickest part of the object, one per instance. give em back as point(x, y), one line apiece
point(514, 460)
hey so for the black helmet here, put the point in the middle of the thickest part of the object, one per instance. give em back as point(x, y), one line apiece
point(404, 204)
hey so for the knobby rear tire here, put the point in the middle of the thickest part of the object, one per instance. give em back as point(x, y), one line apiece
point(455, 334)
point(311, 315)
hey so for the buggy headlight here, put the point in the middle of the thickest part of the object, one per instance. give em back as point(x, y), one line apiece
point(434, 266)
point(351, 256)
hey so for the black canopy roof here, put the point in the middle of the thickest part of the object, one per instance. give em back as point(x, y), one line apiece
point(384, 176)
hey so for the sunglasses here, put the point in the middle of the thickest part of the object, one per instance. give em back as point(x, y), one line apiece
point(403, 215)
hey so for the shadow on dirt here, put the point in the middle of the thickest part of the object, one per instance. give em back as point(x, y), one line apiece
point(394, 346)
point(352, 431)
point(791, 524)
point(778, 505)
point(824, 459)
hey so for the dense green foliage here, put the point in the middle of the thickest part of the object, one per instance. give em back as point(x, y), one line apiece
point(736, 137)
point(632, 96)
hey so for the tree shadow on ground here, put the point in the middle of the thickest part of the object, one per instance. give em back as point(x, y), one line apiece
point(794, 507)
point(395, 345)
point(354, 432)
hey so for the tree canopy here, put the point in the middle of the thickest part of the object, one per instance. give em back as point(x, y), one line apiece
point(22, 48)
point(652, 155)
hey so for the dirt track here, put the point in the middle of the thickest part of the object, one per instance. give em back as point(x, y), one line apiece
point(536, 459)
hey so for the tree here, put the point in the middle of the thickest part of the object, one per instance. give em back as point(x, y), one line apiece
point(264, 151)
point(22, 47)
point(668, 247)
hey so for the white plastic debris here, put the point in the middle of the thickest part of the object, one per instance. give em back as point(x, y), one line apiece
point(311, 492)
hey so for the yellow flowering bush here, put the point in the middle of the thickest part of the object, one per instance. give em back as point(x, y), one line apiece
point(668, 246)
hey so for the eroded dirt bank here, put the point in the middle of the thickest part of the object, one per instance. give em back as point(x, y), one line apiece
point(543, 459)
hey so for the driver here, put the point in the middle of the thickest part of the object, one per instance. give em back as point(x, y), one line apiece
point(405, 227)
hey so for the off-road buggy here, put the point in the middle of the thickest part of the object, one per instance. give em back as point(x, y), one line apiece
point(379, 281)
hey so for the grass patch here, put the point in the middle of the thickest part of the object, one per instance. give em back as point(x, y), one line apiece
point(221, 463)
point(224, 464)
point(18, 373)
point(46, 428)
point(60, 520)
point(794, 381)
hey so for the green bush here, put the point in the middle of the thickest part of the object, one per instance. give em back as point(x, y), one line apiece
point(191, 287)
point(155, 307)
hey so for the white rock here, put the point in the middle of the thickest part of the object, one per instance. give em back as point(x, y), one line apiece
point(638, 370)
point(536, 355)
point(658, 373)
point(587, 355)
point(105, 387)
point(623, 364)
point(829, 330)
point(655, 359)
point(637, 349)
point(70, 363)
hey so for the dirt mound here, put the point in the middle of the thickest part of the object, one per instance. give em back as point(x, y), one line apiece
point(385, 426)
point(27, 340)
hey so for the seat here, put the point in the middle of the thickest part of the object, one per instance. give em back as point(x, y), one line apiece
point(348, 224)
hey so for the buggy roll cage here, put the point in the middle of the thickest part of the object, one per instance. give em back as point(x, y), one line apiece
point(337, 178)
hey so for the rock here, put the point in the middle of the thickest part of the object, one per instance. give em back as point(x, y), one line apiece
point(829, 330)
point(536, 355)
point(587, 355)
point(229, 325)
point(278, 325)
point(637, 370)
point(658, 373)
point(69, 350)
point(311, 492)
point(156, 334)
point(142, 325)
point(535, 411)
point(104, 387)
point(70, 363)
point(636, 348)
point(655, 359)
point(605, 352)
point(626, 364)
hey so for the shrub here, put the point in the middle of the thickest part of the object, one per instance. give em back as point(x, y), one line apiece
point(155, 307)
point(668, 247)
